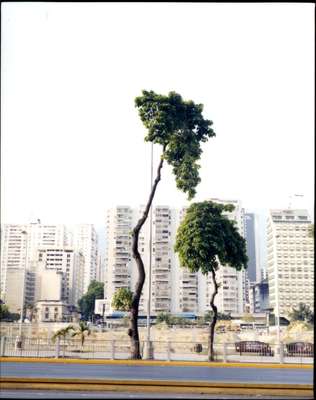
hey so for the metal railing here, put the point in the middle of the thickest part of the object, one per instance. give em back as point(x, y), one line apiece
point(161, 350)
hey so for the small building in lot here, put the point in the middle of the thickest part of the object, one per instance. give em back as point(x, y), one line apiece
point(52, 311)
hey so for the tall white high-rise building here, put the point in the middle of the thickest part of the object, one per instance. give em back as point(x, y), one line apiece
point(69, 265)
point(84, 240)
point(290, 264)
point(186, 289)
point(19, 245)
point(173, 288)
point(117, 251)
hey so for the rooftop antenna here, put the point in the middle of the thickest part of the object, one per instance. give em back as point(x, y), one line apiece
point(291, 199)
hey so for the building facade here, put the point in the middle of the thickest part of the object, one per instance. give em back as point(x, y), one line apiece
point(117, 251)
point(24, 248)
point(253, 272)
point(174, 289)
point(290, 260)
point(85, 241)
point(65, 268)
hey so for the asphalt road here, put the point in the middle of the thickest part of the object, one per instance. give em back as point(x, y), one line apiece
point(180, 373)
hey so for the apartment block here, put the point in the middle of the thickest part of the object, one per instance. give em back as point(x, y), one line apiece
point(253, 272)
point(290, 264)
point(21, 246)
point(84, 240)
point(187, 288)
point(19, 283)
point(118, 251)
point(174, 289)
point(59, 275)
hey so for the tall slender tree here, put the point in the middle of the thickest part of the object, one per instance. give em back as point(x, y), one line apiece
point(206, 239)
point(179, 127)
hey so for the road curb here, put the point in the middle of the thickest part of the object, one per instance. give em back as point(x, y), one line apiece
point(154, 386)
point(153, 362)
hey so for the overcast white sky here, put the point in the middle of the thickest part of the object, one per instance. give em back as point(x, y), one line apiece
point(72, 141)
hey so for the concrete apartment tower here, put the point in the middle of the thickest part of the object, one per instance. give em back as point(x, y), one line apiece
point(174, 289)
point(36, 259)
point(253, 271)
point(19, 246)
point(84, 240)
point(68, 265)
point(186, 290)
point(290, 260)
point(117, 252)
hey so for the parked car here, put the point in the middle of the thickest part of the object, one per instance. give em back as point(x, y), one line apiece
point(254, 346)
point(300, 349)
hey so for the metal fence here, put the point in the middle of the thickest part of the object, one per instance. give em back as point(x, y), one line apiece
point(161, 350)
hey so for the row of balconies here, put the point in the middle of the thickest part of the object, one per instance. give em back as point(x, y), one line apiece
point(161, 278)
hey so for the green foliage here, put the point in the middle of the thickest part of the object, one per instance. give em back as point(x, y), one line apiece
point(208, 317)
point(163, 317)
point(206, 236)
point(179, 127)
point(122, 299)
point(4, 312)
point(247, 317)
point(87, 301)
point(169, 319)
point(82, 331)
point(302, 313)
point(6, 315)
point(63, 332)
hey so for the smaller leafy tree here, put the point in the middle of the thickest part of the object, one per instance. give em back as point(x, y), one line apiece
point(122, 299)
point(82, 331)
point(6, 315)
point(206, 239)
point(209, 315)
point(4, 312)
point(164, 317)
point(247, 317)
point(87, 301)
point(62, 333)
point(302, 313)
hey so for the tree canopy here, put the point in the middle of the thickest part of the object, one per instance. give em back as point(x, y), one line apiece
point(206, 237)
point(87, 301)
point(302, 313)
point(6, 315)
point(82, 331)
point(122, 299)
point(180, 128)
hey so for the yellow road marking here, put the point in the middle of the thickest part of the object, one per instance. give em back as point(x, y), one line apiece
point(154, 362)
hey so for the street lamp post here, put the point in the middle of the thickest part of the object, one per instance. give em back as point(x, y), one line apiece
point(19, 337)
point(277, 299)
point(149, 350)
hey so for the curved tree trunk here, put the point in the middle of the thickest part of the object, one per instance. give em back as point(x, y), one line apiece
point(214, 319)
point(133, 327)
